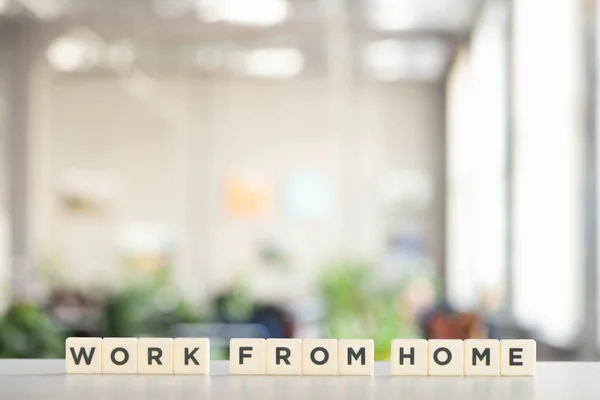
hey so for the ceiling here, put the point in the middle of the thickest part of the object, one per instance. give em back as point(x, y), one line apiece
point(385, 40)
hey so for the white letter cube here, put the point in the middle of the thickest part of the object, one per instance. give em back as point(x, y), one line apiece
point(119, 355)
point(247, 356)
point(284, 356)
point(155, 356)
point(409, 357)
point(83, 355)
point(445, 357)
point(356, 357)
point(320, 356)
point(482, 357)
point(517, 357)
point(191, 356)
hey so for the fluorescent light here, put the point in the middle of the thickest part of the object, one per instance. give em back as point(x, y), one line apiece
point(243, 12)
point(278, 63)
point(390, 60)
point(72, 53)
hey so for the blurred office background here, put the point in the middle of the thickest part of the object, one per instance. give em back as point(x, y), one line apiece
point(299, 168)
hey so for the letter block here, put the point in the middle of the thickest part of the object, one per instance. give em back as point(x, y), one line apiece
point(155, 356)
point(83, 355)
point(191, 356)
point(284, 356)
point(409, 357)
point(356, 357)
point(482, 357)
point(517, 357)
point(247, 356)
point(445, 357)
point(119, 355)
point(320, 356)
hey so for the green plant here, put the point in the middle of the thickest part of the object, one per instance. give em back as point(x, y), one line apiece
point(236, 303)
point(26, 331)
point(356, 307)
point(147, 307)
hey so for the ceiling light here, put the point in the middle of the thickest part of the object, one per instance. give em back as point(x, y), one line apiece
point(278, 63)
point(72, 53)
point(390, 60)
point(243, 12)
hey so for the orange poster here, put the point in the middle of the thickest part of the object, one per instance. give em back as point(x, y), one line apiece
point(247, 197)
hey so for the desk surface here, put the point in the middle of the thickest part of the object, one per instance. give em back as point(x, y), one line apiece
point(45, 379)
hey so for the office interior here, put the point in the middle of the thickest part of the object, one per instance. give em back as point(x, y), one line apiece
point(299, 168)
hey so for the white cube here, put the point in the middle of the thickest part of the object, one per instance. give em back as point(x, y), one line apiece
point(517, 357)
point(320, 356)
point(191, 356)
point(119, 355)
point(445, 357)
point(284, 356)
point(155, 356)
point(409, 357)
point(356, 357)
point(482, 357)
point(83, 355)
point(247, 356)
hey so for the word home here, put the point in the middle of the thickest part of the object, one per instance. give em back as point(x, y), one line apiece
point(471, 357)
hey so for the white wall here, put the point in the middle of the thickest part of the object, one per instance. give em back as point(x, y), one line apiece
point(4, 238)
point(171, 144)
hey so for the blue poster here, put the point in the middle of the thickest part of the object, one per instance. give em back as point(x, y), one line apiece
point(308, 195)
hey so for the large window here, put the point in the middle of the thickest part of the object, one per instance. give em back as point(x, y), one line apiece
point(477, 211)
point(548, 175)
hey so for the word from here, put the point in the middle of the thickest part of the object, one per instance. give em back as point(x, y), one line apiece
point(472, 357)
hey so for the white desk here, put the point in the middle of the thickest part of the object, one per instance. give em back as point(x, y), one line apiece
point(45, 379)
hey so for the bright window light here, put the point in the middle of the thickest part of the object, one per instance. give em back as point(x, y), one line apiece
point(477, 146)
point(277, 63)
point(390, 60)
point(244, 12)
point(72, 53)
point(548, 259)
